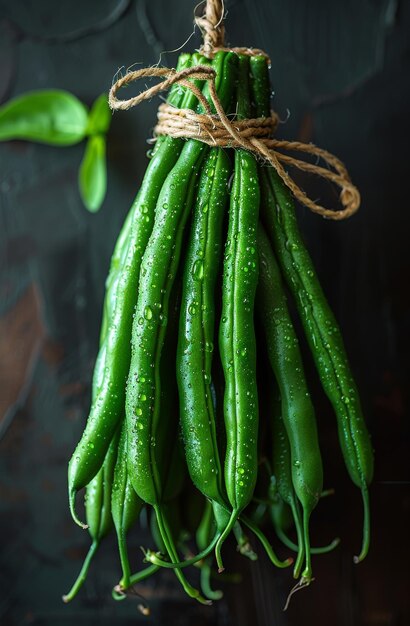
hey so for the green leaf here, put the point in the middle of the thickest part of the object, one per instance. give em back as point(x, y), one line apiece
point(53, 117)
point(92, 178)
point(100, 116)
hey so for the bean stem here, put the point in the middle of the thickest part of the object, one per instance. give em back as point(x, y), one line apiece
point(172, 553)
point(83, 573)
point(265, 543)
point(125, 563)
point(292, 546)
point(231, 523)
point(307, 572)
point(366, 526)
point(212, 594)
point(300, 548)
point(153, 558)
point(143, 574)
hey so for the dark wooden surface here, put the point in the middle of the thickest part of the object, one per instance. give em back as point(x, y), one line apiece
point(341, 79)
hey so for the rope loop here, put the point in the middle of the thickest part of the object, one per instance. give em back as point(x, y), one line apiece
point(254, 135)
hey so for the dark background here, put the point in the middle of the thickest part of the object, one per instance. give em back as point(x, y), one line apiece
point(341, 76)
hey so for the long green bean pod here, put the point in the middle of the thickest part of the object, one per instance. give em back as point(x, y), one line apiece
point(236, 332)
point(196, 330)
point(196, 335)
point(297, 409)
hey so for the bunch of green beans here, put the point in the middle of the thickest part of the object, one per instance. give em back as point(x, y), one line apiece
point(195, 298)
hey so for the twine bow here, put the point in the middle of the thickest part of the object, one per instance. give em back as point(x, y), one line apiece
point(253, 135)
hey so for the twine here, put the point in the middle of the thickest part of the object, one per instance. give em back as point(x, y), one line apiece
point(211, 26)
point(213, 32)
point(253, 135)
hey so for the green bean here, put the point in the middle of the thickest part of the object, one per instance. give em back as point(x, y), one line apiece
point(196, 334)
point(196, 330)
point(236, 334)
point(297, 409)
point(325, 341)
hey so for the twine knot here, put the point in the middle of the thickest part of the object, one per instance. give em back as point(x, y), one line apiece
point(254, 135)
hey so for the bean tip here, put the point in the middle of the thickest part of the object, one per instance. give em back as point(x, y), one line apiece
point(144, 609)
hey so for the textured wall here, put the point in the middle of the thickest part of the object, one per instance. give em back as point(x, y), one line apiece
point(340, 72)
